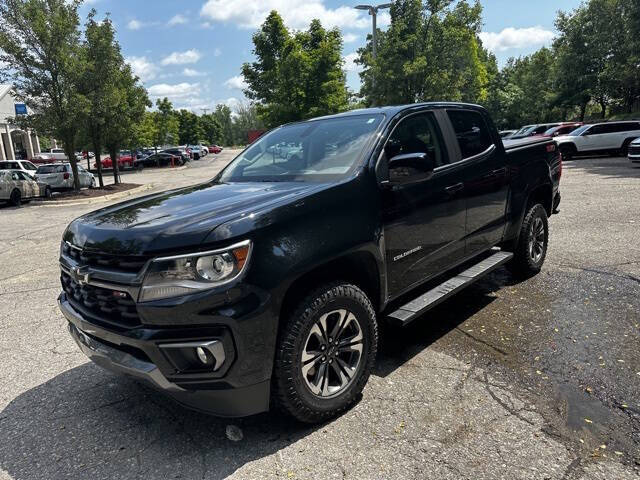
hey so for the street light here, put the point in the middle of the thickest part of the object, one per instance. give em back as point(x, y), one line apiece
point(373, 11)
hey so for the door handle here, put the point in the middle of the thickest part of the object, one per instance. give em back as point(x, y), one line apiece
point(452, 189)
point(496, 173)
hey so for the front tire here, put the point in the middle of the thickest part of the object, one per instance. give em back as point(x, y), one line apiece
point(325, 353)
point(531, 249)
point(47, 192)
point(16, 198)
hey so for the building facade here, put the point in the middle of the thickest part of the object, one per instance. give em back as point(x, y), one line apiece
point(15, 143)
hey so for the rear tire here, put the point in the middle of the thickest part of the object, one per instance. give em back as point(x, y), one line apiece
point(325, 353)
point(533, 240)
point(16, 198)
point(624, 151)
point(567, 151)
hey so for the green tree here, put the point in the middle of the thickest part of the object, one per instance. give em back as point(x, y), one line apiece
point(99, 80)
point(296, 75)
point(40, 40)
point(145, 131)
point(222, 114)
point(431, 51)
point(189, 128)
point(167, 124)
point(246, 118)
point(128, 106)
point(211, 128)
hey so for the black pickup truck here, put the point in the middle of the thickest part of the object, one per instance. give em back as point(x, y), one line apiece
point(268, 284)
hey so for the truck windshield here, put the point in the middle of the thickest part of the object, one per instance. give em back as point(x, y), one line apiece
point(315, 151)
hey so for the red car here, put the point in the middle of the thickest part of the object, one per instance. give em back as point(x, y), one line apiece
point(562, 129)
point(124, 161)
point(214, 149)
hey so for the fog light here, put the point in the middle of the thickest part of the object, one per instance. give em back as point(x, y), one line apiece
point(203, 355)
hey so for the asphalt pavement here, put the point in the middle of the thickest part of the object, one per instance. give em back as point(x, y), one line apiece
point(509, 380)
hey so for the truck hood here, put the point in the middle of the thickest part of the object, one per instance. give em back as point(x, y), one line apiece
point(178, 219)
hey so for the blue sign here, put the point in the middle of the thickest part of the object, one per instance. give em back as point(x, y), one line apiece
point(21, 109)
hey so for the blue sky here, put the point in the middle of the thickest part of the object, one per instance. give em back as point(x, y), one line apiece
point(191, 50)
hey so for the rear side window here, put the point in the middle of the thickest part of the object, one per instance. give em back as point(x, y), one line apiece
point(51, 169)
point(471, 131)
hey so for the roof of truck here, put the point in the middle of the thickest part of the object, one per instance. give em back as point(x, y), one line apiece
point(394, 109)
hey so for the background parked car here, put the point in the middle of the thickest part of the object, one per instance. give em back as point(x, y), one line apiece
point(16, 186)
point(196, 151)
point(215, 148)
point(532, 130)
point(49, 156)
point(124, 162)
point(562, 129)
point(506, 133)
point(634, 151)
point(59, 176)
point(610, 137)
point(22, 165)
point(180, 152)
point(158, 160)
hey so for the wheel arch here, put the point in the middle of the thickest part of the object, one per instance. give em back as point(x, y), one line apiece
point(360, 268)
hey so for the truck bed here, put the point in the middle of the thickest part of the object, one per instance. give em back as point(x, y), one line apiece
point(524, 142)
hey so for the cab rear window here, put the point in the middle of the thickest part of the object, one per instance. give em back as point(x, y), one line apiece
point(51, 169)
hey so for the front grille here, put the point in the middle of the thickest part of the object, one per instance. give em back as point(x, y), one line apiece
point(125, 263)
point(634, 149)
point(101, 304)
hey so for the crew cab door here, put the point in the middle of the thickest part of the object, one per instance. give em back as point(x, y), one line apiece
point(485, 178)
point(423, 215)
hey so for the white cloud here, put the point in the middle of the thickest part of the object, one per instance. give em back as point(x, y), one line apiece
point(191, 72)
point(350, 64)
point(516, 38)
point(178, 19)
point(181, 58)
point(296, 13)
point(350, 37)
point(143, 68)
point(135, 25)
point(180, 90)
point(236, 82)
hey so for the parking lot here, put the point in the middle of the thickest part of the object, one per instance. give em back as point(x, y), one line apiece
point(531, 380)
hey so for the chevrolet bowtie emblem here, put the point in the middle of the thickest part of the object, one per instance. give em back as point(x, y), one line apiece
point(80, 274)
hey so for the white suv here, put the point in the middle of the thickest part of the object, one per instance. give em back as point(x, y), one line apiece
point(609, 137)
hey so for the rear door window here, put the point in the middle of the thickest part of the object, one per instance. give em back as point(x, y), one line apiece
point(471, 131)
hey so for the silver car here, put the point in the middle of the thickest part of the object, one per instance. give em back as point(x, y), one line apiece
point(16, 187)
point(59, 176)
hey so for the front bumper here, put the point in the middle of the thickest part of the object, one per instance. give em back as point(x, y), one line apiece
point(635, 158)
point(139, 353)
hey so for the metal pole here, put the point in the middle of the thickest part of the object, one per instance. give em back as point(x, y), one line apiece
point(374, 14)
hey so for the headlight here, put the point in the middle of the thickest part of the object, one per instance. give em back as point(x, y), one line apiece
point(183, 274)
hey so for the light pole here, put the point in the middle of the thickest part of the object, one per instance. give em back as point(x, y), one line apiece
point(373, 11)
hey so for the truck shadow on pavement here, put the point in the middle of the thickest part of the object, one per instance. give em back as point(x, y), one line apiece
point(87, 423)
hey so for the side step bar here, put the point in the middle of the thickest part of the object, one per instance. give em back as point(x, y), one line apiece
point(416, 307)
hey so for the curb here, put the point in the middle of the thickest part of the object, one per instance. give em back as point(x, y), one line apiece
point(89, 201)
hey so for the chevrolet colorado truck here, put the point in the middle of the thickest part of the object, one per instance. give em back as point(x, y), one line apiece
point(268, 285)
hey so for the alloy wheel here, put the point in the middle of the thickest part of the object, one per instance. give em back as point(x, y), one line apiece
point(536, 240)
point(332, 353)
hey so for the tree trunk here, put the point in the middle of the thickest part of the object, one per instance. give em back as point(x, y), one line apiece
point(583, 111)
point(96, 151)
point(71, 156)
point(113, 153)
point(603, 107)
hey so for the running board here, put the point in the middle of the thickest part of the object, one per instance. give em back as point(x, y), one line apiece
point(416, 307)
